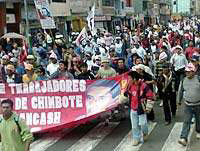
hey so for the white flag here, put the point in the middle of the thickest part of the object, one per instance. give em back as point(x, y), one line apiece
point(82, 36)
point(90, 19)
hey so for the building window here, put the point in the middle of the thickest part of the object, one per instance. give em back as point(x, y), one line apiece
point(107, 2)
point(128, 3)
point(145, 5)
point(122, 5)
point(59, 1)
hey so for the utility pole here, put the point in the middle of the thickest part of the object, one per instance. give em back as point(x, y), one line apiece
point(176, 6)
point(27, 22)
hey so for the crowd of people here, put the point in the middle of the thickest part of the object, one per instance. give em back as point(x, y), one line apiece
point(160, 56)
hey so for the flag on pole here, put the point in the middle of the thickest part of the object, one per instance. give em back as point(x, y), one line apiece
point(44, 14)
point(82, 36)
point(90, 19)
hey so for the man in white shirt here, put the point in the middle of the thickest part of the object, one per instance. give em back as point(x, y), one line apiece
point(179, 61)
point(53, 66)
point(139, 50)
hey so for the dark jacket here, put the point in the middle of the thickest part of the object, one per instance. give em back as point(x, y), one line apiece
point(86, 76)
point(17, 78)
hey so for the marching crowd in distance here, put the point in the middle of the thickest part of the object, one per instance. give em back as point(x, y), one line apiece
point(159, 54)
point(176, 44)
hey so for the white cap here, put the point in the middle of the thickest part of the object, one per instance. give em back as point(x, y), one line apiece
point(14, 60)
point(53, 55)
point(162, 56)
point(179, 47)
point(5, 57)
point(190, 67)
point(30, 57)
point(59, 36)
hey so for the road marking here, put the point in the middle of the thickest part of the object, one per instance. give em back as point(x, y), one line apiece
point(171, 144)
point(51, 138)
point(93, 137)
point(127, 143)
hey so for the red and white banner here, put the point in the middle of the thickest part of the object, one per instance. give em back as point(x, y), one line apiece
point(56, 104)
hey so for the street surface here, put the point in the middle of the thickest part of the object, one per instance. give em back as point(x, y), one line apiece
point(94, 136)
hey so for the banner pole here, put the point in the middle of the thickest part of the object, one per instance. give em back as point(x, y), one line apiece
point(27, 23)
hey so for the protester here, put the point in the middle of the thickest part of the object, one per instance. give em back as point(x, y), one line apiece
point(179, 61)
point(159, 53)
point(167, 82)
point(53, 65)
point(62, 72)
point(11, 76)
point(30, 76)
point(85, 73)
point(14, 133)
point(106, 71)
point(137, 112)
point(189, 92)
point(121, 67)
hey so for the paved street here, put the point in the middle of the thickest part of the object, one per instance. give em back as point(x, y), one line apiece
point(95, 136)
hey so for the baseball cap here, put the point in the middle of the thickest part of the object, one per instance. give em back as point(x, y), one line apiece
point(13, 60)
point(53, 55)
point(28, 67)
point(179, 47)
point(190, 67)
point(30, 57)
point(10, 67)
point(105, 60)
point(5, 57)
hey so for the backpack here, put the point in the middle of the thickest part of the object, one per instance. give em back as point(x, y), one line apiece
point(16, 119)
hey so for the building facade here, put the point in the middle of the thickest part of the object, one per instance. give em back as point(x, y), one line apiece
point(195, 8)
point(108, 13)
point(165, 11)
point(10, 16)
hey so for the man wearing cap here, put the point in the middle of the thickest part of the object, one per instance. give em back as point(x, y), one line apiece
point(179, 61)
point(19, 68)
point(138, 92)
point(140, 51)
point(30, 75)
point(147, 76)
point(4, 63)
point(195, 61)
point(105, 71)
point(119, 47)
point(190, 50)
point(96, 65)
point(167, 85)
point(189, 92)
point(53, 65)
point(31, 60)
point(11, 76)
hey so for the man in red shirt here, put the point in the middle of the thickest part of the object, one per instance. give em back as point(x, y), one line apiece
point(139, 93)
point(190, 50)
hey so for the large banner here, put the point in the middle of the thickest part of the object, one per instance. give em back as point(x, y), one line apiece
point(56, 104)
point(44, 14)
